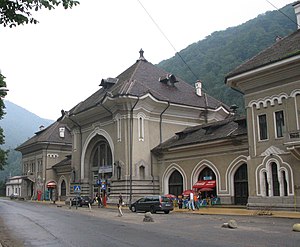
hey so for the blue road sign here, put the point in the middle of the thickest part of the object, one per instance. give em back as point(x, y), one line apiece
point(77, 188)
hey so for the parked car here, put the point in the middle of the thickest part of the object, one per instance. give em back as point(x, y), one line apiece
point(152, 204)
point(81, 201)
point(13, 196)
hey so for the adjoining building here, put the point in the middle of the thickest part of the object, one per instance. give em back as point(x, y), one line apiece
point(270, 82)
point(45, 173)
point(15, 186)
point(210, 158)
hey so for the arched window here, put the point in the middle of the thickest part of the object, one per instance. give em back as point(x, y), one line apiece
point(119, 133)
point(63, 189)
point(266, 184)
point(102, 155)
point(284, 182)
point(275, 181)
point(176, 183)
point(142, 172)
point(207, 174)
point(118, 172)
point(141, 132)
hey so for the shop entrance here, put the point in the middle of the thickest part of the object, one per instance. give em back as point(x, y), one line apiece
point(241, 185)
point(207, 175)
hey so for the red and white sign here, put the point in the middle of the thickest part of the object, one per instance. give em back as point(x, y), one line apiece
point(205, 184)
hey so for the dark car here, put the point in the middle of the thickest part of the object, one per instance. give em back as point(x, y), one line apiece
point(152, 204)
point(82, 201)
point(14, 196)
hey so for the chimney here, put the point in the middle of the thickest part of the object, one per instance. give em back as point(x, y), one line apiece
point(297, 12)
point(198, 86)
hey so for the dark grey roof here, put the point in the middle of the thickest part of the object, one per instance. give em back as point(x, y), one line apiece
point(49, 135)
point(142, 78)
point(65, 162)
point(282, 49)
point(224, 129)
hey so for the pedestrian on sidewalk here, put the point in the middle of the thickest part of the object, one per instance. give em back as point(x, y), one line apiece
point(120, 203)
point(98, 199)
point(191, 202)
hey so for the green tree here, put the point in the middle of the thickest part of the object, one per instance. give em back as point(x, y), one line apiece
point(19, 12)
point(3, 154)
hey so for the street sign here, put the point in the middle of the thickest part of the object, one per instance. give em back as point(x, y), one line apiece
point(77, 188)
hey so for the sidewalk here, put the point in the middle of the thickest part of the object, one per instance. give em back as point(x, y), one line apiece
point(211, 210)
point(240, 211)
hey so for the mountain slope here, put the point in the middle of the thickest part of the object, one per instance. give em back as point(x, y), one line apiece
point(213, 57)
point(19, 125)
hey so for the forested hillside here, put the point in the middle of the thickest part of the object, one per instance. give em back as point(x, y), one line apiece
point(18, 125)
point(219, 53)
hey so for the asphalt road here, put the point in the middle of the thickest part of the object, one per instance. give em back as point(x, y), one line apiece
point(37, 224)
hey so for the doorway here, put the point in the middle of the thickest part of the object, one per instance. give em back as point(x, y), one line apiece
point(241, 185)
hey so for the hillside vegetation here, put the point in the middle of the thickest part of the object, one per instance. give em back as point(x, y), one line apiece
point(215, 56)
point(18, 125)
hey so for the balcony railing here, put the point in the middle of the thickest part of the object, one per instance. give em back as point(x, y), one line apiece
point(292, 137)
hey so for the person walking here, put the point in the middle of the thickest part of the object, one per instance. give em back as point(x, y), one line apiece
point(120, 203)
point(191, 202)
point(98, 198)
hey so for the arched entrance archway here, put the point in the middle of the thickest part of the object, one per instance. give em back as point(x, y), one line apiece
point(241, 185)
point(175, 183)
point(101, 166)
point(207, 174)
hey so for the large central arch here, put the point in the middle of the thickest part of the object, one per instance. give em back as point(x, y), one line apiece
point(97, 131)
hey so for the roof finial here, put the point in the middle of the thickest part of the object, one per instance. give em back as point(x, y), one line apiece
point(142, 56)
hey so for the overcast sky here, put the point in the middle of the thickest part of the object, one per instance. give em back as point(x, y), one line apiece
point(60, 61)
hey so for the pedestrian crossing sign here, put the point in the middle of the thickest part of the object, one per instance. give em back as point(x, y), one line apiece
point(77, 188)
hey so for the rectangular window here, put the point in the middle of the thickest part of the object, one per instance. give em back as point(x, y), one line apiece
point(263, 130)
point(279, 122)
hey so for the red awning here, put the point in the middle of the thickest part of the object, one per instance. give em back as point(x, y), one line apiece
point(51, 184)
point(201, 184)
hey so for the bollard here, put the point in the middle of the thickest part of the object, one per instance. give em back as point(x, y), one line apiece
point(90, 207)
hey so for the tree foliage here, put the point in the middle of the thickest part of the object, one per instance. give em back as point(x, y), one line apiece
point(3, 153)
point(212, 58)
point(17, 12)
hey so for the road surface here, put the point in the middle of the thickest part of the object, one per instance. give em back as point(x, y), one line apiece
point(38, 224)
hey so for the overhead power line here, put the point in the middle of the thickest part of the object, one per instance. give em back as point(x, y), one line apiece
point(283, 13)
point(165, 36)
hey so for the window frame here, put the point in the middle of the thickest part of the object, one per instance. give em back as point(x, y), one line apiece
point(279, 124)
point(260, 133)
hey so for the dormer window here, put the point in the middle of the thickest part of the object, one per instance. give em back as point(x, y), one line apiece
point(109, 82)
point(62, 132)
point(169, 78)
